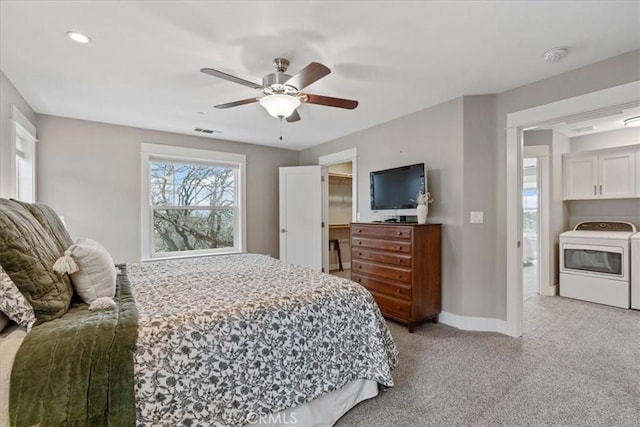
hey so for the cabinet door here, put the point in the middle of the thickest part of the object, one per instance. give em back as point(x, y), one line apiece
point(617, 175)
point(580, 177)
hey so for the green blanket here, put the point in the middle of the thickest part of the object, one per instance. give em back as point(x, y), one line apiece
point(78, 370)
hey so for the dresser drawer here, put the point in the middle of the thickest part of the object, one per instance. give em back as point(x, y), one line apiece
point(395, 273)
point(384, 257)
point(393, 307)
point(382, 232)
point(388, 245)
point(395, 289)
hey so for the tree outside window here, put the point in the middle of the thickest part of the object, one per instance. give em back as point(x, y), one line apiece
point(193, 206)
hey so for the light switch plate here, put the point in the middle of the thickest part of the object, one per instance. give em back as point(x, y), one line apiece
point(476, 218)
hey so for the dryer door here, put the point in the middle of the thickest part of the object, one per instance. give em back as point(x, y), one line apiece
point(594, 260)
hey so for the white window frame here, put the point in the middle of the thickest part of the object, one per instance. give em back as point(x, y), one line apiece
point(21, 127)
point(158, 152)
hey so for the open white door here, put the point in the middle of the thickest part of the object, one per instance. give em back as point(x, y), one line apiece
point(304, 236)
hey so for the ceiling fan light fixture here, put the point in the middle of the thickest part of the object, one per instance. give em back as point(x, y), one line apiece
point(632, 121)
point(280, 106)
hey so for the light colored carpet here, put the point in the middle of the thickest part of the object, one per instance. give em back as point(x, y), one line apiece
point(577, 364)
point(530, 279)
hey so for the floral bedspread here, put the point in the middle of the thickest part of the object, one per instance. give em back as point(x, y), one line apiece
point(222, 339)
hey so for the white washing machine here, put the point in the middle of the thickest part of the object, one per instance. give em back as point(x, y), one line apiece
point(595, 260)
point(635, 271)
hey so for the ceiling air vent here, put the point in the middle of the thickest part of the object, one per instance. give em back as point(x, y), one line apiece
point(206, 131)
point(584, 129)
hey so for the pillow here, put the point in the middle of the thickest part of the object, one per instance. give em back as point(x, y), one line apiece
point(13, 304)
point(51, 222)
point(93, 273)
point(27, 255)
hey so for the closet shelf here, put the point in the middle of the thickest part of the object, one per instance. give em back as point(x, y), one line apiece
point(339, 178)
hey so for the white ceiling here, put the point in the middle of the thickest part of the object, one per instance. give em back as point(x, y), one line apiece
point(142, 66)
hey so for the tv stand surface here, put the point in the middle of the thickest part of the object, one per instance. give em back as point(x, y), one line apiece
point(398, 221)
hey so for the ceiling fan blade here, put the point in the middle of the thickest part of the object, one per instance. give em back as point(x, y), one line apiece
point(309, 74)
point(229, 77)
point(294, 117)
point(329, 101)
point(236, 103)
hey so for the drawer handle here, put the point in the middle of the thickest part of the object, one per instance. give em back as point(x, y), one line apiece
point(360, 267)
point(400, 260)
point(399, 233)
point(359, 230)
point(359, 280)
point(398, 308)
point(359, 253)
point(399, 276)
point(398, 291)
point(359, 242)
point(399, 248)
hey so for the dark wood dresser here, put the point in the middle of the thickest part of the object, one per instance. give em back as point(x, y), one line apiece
point(400, 265)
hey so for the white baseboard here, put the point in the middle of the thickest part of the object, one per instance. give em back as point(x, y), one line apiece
point(345, 265)
point(549, 291)
point(474, 323)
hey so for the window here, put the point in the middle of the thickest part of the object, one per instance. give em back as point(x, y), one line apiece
point(22, 176)
point(25, 168)
point(193, 202)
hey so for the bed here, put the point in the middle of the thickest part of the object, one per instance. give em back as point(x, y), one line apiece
point(229, 340)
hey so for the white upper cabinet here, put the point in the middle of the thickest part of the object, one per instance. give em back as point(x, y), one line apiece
point(617, 175)
point(602, 174)
point(580, 177)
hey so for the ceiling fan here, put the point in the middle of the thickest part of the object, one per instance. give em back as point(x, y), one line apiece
point(282, 92)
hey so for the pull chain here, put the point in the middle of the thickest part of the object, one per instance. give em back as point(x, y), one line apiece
point(280, 128)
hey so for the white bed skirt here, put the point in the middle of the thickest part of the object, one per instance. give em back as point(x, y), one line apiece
point(324, 410)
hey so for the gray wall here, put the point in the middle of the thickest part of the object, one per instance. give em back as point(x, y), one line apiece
point(613, 138)
point(433, 136)
point(615, 210)
point(479, 171)
point(537, 137)
point(9, 96)
point(91, 173)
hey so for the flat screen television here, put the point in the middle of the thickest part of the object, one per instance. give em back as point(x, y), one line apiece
point(397, 188)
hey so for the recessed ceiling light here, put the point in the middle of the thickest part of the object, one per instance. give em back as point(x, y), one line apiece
point(78, 37)
point(555, 54)
point(632, 121)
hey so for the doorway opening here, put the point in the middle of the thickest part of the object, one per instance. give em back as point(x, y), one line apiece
point(595, 104)
point(530, 227)
point(342, 206)
point(340, 212)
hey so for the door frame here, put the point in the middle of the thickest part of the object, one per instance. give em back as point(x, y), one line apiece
point(602, 101)
point(543, 154)
point(350, 155)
